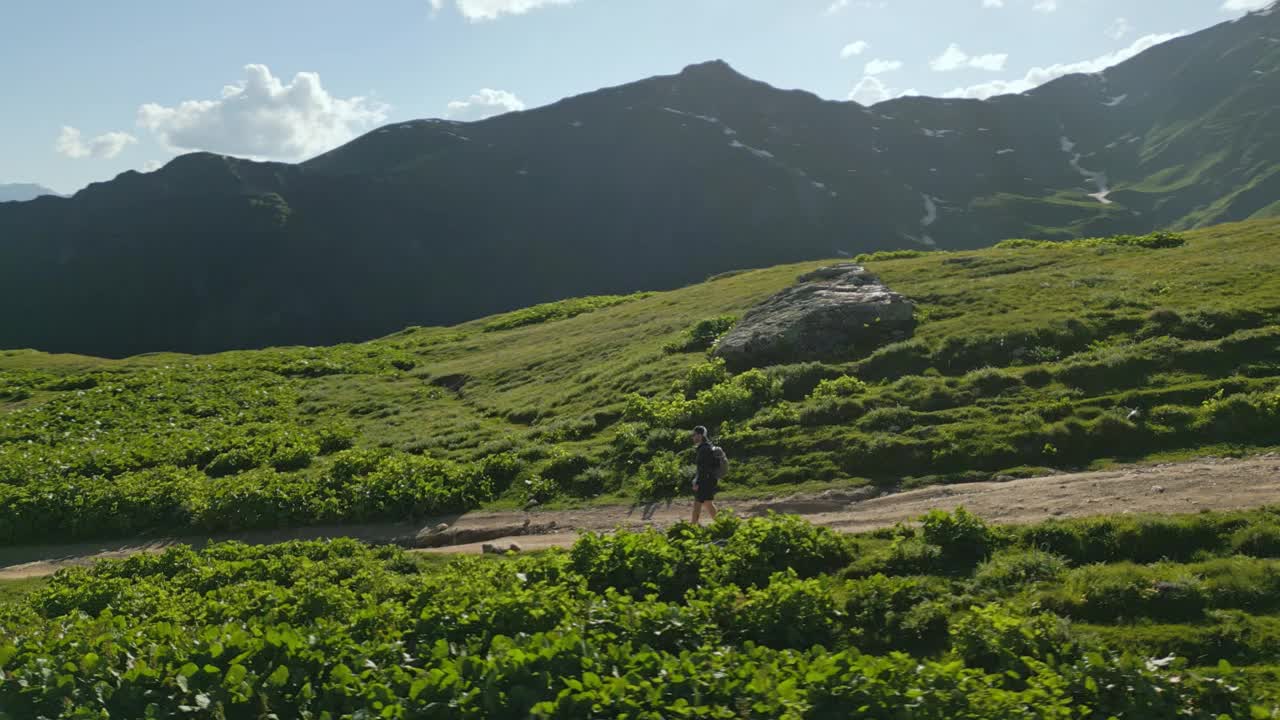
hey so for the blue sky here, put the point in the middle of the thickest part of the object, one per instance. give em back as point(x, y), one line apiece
point(95, 88)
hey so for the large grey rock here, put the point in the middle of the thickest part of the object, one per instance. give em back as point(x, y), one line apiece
point(833, 313)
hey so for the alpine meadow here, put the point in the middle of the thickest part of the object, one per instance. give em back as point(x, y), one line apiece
point(411, 428)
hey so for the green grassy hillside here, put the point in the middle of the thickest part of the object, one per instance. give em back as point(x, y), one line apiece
point(1028, 356)
point(765, 618)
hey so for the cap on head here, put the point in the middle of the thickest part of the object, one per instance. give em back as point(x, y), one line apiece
point(700, 430)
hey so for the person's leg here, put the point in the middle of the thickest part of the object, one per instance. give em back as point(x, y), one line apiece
point(711, 509)
point(697, 510)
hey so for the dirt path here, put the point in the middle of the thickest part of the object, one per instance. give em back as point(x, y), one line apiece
point(1209, 484)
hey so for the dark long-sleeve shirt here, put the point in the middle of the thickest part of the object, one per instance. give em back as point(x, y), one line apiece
point(707, 463)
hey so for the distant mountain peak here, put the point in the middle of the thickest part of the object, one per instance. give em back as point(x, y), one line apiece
point(711, 69)
point(20, 192)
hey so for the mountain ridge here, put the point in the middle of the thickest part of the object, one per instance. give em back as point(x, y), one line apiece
point(22, 192)
point(648, 185)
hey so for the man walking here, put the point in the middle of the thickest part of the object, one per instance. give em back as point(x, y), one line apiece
point(706, 480)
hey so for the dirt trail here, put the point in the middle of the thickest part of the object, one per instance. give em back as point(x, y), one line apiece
point(1209, 484)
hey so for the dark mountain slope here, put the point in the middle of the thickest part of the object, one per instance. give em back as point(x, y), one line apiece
point(649, 185)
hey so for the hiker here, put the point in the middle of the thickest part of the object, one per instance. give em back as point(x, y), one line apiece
point(707, 479)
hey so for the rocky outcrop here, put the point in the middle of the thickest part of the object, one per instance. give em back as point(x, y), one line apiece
point(833, 313)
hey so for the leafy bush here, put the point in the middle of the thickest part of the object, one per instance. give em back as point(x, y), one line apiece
point(841, 387)
point(906, 614)
point(340, 629)
point(1010, 569)
point(800, 379)
point(1110, 593)
point(882, 255)
point(754, 549)
point(787, 613)
point(890, 419)
point(702, 336)
point(1151, 241)
point(992, 638)
point(736, 398)
point(703, 376)
point(908, 357)
point(964, 539)
point(564, 309)
point(1260, 540)
point(990, 382)
point(663, 476)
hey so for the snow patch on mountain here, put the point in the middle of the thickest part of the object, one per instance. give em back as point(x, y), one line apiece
point(930, 210)
point(764, 154)
point(1098, 178)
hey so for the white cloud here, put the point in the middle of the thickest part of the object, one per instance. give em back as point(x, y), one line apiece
point(1038, 76)
point(480, 10)
point(879, 66)
point(1118, 28)
point(1045, 6)
point(486, 103)
point(105, 146)
point(854, 48)
point(992, 3)
point(953, 58)
point(1243, 5)
point(869, 91)
point(152, 165)
point(838, 5)
point(263, 117)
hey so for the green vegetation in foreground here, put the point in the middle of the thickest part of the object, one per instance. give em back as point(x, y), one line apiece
point(12, 590)
point(1028, 356)
point(766, 618)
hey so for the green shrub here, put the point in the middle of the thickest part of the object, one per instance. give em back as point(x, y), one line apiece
point(1259, 540)
point(561, 465)
point(539, 489)
point(1112, 593)
point(841, 387)
point(883, 255)
point(787, 613)
point(636, 563)
point(1173, 416)
point(703, 376)
point(1008, 570)
point(906, 555)
point(548, 312)
point(755, 548)
point(909, 357)
point(998, 641)
point(1240, 583)
point(501, 469)
point(779, 416)
point(991, 382)
point(1152, 241)
point(964, 539)
point(702, 336)
point(592, 482)
point(1141, 539)
point(905, 614)
point(890, 419)
point(1242, 416)
point(800, 379)
point(663, 476)
point(830, 411)
point(736, 398)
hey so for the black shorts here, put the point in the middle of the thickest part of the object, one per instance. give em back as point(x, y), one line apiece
point(706, 491)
